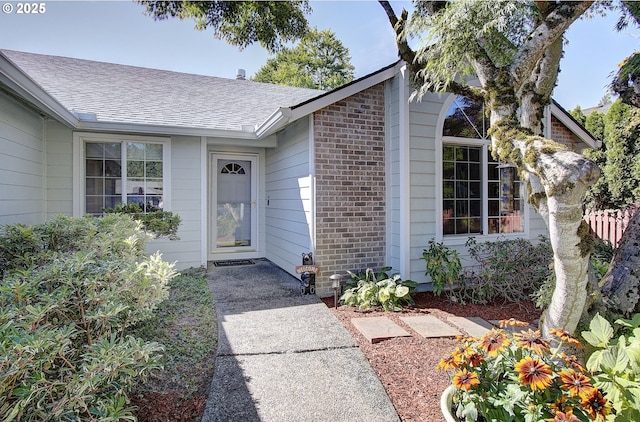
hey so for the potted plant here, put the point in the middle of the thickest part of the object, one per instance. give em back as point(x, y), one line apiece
point(511, 375)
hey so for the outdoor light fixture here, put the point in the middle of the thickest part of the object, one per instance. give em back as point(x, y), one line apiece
point(336, 283)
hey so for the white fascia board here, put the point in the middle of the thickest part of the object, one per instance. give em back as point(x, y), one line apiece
point(584, 136)
point(285, 115)
point(342, 93)
point(18, 81)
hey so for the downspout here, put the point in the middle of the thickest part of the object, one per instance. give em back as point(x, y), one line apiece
point(405, 174)
point(312, 183)
point(204, 202)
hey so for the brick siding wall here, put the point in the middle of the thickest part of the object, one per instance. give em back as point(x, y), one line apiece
point(560, 133)
point(350, 185)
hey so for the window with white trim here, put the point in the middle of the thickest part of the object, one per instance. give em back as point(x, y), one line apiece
point(119, 172)
point(479, 195)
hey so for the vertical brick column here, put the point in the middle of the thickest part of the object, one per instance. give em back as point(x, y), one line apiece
point(350, 185)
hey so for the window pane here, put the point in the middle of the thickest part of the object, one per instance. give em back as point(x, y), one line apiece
point(113, 150)
point(94, 186)
point(462, 189)
point(153, 169)
point(94, 150)
point(112, 168)
point(448, 170)
point(95, 168)
point(466, 119)
point(135, 150)
point(448, 152)
point(94, 204)
point(475, 208)
point(153, 152)
point(135, 168)
point(448, 190)
point(475, 190)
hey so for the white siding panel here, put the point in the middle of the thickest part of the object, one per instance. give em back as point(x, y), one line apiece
point(59, 170)
point(21, 164)
point(186, 202)
point(424, 117)
point(289, 197)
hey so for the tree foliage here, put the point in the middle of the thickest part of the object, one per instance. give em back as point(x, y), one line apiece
point(319, 61)
point(626, 82)
point(240, 23)
point(618, 157)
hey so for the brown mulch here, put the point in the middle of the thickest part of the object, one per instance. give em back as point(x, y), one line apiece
point(168, 407)
point(406, 366)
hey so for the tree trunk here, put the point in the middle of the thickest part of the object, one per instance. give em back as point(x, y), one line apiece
point(560, 178)
point(620, 286)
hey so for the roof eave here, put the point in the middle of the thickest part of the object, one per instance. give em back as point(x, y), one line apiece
point(284, 115)
point(25, 87)
point(121, 127)
point(566, 119)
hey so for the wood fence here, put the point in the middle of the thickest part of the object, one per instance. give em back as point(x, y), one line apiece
point(610, 224)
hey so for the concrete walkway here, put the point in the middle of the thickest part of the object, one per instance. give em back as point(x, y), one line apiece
point(285, 357)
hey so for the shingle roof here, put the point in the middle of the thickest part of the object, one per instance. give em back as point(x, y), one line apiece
point(129, 94)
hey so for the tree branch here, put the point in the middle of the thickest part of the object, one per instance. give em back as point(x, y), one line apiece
point(550, 30)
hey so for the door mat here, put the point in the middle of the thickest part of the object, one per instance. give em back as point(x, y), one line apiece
point(233, 262)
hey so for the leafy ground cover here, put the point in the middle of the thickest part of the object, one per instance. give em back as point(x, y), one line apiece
point(186, 325)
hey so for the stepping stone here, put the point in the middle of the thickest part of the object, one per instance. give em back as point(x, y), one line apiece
point(474, 326)
point(429, 326)
point(376, 329)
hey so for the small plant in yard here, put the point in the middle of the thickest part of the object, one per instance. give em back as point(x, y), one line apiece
point(615, 363)
point(391, 293)
point(443, 265)
point(520, 376)
point(508, 269)
point(70, 290)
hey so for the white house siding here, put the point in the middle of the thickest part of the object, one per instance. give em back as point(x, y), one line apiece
point(288, 201)
point(21, 164)
point(393, 171)
point(423, 127)
point(59, 170)
point(186, 202)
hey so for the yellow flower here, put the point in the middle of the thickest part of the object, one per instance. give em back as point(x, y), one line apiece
point(493, 342)
point(534, 373)
point(532, 340)
point(450, 362)
point(564, 417)
point(566, 337)
point(596, 405)
point(511, 322)
point(578, 384)
point(465, 380)
point(573, 361)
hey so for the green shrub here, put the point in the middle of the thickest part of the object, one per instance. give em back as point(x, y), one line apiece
point(391, 292)
point(69, 291)
point(157, 222)
point(615, 364)
point(443, 265)
point(508, 270)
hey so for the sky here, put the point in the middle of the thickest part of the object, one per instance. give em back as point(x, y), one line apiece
point(120, 32)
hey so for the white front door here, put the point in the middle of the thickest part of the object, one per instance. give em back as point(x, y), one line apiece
point(233, 199)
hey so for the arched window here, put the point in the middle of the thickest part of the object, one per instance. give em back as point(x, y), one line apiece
point(479, 195)
point(232, 168)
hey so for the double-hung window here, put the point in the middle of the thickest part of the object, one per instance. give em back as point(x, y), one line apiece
point(479, 194)
point(123, 171)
